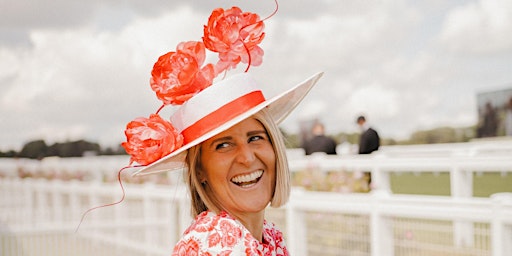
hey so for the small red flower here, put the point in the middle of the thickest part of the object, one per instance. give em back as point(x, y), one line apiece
point(251, 245)
point(231, 234)
point(177, 76)
point(213, 239)
point(205, 223)
point(225, 253)
point(235, 35)
point(188, 247)
point(149, 139)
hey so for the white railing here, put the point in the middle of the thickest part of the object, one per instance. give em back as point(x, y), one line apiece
point(40, 218)
point(394, 224)
point(460, 160)
point(480, 147)
point(144, 224)
point(384, 213)
point(460, 168)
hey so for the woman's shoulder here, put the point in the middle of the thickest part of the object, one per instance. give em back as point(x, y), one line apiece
point(210, 232)
point(207, 221)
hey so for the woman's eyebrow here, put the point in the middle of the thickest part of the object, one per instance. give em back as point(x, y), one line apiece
point(255, 132)
point(226, 138)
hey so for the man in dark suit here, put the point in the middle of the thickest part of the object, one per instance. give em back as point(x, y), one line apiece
point(369, 140)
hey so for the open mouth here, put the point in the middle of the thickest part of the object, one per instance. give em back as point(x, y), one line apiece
point(247, 180)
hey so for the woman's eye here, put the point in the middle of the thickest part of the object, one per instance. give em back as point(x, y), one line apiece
point(222, 145)
point(256, 138)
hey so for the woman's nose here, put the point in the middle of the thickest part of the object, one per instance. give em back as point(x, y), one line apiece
point(245, 155)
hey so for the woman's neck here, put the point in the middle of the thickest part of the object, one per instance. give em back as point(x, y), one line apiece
point(252, 222)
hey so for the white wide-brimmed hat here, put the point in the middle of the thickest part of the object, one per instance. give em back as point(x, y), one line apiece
point(221, 106)
point(206, 108)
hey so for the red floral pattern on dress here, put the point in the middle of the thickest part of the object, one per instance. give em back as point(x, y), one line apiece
point(221, 234)
point(204, 222)
point(231, 234)
point(251, 245)
point(188, 247)
point(149, 139)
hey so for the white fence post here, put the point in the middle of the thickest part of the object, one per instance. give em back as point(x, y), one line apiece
point(172, 210)
point(461, 182)
point(29, 200)
point(501, 234)
point(380, 179)
point(461, 186)
point(184, 215)
point(42, 211)
point(149, 214)
point(296, 227)
point(57, 205)
point(381, 227)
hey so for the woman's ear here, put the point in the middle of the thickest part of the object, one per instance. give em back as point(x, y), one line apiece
point(201, 176)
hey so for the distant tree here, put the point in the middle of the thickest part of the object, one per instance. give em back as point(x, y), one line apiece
point(10, 153)
point(38, 149)
point(34, 149)
point(73, 148)
point(390, 142)
point(441, 135)
point(107, 151)
point(352, 138)
point(119, 150)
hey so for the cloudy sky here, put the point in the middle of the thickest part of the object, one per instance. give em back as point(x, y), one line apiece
point(80, 69)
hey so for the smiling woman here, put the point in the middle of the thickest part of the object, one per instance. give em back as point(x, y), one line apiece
point(225, 134)
point(236, 167)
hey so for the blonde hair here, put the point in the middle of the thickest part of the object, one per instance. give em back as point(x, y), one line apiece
point(202, 201)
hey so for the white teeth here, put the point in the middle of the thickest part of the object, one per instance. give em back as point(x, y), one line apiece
point(251, 177)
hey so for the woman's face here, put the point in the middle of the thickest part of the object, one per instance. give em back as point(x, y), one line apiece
point(239, 166)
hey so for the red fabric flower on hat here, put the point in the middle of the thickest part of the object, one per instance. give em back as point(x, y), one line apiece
point(149, 139)
point(235, 35)
point(177, 76)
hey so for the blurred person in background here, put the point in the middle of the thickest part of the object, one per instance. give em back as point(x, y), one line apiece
point(508, 118)
point(489, 125)
point(319, 142)
point(369, 140)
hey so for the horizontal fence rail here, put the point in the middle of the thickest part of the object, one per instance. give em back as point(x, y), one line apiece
point(41, 216)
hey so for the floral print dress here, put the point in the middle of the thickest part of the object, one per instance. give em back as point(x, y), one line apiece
point(221, 234)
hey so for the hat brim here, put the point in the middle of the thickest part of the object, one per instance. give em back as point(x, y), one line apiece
point(279, 108)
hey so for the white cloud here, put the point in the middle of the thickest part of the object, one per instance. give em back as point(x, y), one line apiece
point(479, 27)
point(375, 101)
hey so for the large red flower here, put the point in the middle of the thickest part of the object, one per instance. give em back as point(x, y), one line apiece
point(149, 139)
point(235, 35)
point(177, 76)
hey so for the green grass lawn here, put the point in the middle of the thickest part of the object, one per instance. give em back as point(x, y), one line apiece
point(484, 184)
point(427, 183)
